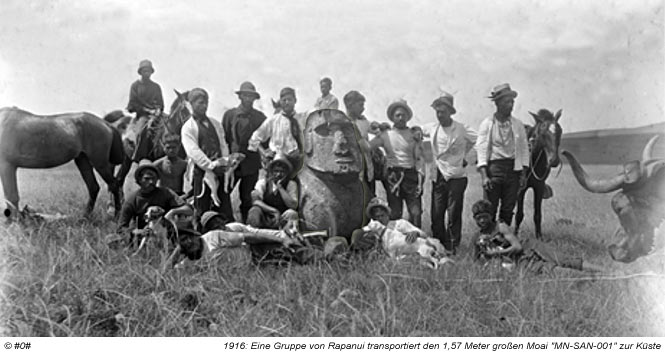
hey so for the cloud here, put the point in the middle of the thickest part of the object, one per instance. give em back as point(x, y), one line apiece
point(81, 55)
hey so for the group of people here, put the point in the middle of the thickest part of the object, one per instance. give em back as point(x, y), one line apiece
point(268, 205)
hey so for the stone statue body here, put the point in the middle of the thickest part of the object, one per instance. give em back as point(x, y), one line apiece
point(332, 195)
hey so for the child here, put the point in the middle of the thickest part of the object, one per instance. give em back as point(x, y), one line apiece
point(327, 100)
point(172, 167)
point(497, 241)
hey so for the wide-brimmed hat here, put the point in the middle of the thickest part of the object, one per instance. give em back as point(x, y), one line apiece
point(376, 202)
point(399, 103)
point(280, 158)
point(248, 88)
point(502, 90)
point(142, 167)
point(145, 64)
point(445, 99)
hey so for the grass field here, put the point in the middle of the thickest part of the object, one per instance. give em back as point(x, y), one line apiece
point(60, 279)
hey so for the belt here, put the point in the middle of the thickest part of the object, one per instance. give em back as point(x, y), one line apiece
point(398, 169)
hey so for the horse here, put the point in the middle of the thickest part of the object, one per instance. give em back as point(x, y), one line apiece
point(142, 137)
point(544, 139)
point(41, 142)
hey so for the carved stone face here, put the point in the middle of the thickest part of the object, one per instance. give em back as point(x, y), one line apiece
point(330, 143)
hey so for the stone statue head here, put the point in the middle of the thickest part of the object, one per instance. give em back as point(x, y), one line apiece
point(331, 144)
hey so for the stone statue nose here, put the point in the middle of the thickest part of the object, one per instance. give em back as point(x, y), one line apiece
point(340, 147)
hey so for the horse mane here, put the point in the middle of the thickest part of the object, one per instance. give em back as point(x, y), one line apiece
point(114, 116)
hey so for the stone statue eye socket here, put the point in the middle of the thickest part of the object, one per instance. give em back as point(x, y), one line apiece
point(322, 130)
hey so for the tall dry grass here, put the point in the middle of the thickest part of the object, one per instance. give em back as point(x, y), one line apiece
point(60, 279)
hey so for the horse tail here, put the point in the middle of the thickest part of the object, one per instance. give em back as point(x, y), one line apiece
point(117, 154)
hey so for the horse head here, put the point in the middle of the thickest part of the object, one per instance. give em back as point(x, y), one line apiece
point(546, 135)
point(180, 112)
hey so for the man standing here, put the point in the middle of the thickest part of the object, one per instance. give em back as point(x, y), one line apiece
point(355, 106)
point(283, 132)
point(451, 142)
point(205, 145)
point(503, 154)
point(327, 100)
point(405, 163)
point(239, 124)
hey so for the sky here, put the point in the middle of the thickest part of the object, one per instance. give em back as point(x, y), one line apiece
point(601, 62)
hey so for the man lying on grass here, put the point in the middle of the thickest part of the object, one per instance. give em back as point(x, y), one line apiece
point(397, 238)
point(496, 241)
point(238, 243)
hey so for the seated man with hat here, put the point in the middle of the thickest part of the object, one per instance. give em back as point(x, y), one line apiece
point(239, 124)
point(405, 163)
point(273, 195)
point(131, 223)
point(145, 95)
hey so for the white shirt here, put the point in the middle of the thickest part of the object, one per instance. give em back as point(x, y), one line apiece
point(450, 145)
point(402, 150)
point(486, 133)
point(190, 142)
point(262, 185)
point(329, 101)
point(278, 129)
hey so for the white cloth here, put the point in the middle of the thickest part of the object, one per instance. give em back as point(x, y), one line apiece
point(262, 185)
point(329, 101)
point(402, 150)
point(485, 134)
point(190, 142)
point(403, 226)
point(277, 129)
point(450, 145)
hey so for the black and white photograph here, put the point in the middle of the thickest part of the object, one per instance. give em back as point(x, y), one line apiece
point(375, 169)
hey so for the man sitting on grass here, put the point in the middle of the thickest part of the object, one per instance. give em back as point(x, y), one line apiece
point(131, 223)
point(496, 241)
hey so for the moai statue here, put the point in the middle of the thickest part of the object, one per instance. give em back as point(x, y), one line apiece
point(332, 194)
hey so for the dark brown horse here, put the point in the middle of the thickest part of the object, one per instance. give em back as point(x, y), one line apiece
point(544, 139)
point(142, 138)
point(41, 142)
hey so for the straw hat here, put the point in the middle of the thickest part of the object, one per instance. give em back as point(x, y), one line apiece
point(399, 103)
point(500, 91)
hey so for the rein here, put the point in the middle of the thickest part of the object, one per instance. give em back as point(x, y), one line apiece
point(532, 171)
